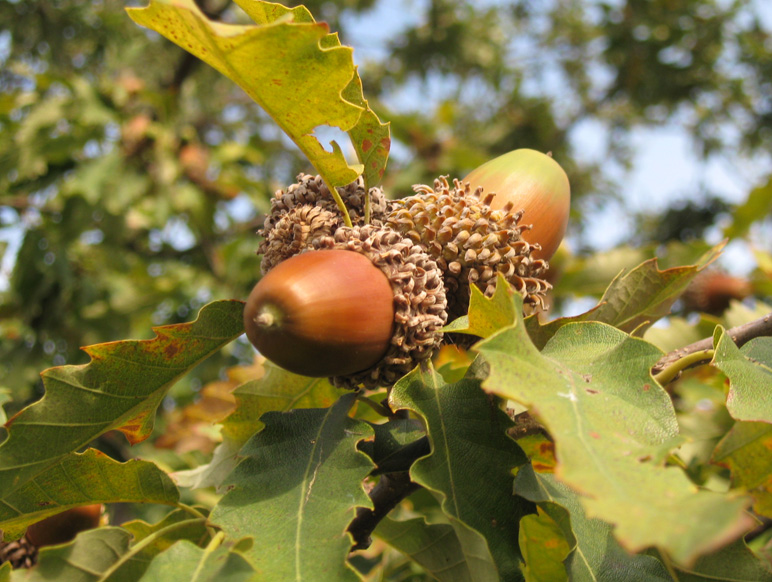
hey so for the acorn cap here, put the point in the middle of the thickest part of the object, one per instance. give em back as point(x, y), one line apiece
point(470, 242)
point(290, 226)
point(420, 305)
point(20, 553)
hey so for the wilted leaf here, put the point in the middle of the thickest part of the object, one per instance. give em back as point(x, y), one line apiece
point(746, 451)
point(595, 554)
point(295, 493)
point(185, 562)
point(276, 389)
point(749, 370)
point(119, 389)
point(633, 301)
point(468, 436)
point(435, 547)
point(612, 425)
point(292, 67)
point(544, 547)
point(83, 479)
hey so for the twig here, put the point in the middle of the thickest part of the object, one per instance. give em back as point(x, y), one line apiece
point(741, 334)
point(389, 491)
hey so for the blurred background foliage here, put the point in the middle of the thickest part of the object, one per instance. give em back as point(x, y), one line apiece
point(133, 178)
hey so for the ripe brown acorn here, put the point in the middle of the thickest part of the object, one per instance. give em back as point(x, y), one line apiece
point(364, 307)
point(323, 313)
point(534, 183)
point(63, 527)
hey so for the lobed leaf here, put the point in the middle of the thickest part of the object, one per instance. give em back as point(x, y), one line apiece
point(119, 389)
point(746, 451)
point(595, 554)
point(278, 390)
point(82, 479)
point(612, 425)
point(468, 437)
point(293, 68)
point(749, 370)
point(544, 548)
point(295, 493)
point(633, 301)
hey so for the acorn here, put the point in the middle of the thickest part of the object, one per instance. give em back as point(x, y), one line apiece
point(713, 290)
point(63, 527)
point(306, 211)
point(471, 242)
point(363, 307)
point(534, 183)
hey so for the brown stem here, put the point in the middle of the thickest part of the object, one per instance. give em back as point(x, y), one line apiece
point(390, 490)
point(741, 334)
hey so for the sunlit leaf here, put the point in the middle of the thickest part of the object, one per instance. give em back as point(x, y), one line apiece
point(750, 375)
point(83, 479)
point(746, 451)
point(292, 67)
point(612, 425)
point(295, 493)
point(486, 315)
point(544, 548)
point(468, 436)
point(119, 389)
point(595, 554)
point(634, 300)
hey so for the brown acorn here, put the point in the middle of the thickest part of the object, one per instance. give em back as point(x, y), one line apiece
point(63, 527)
point(363, 308)
point(713, 290)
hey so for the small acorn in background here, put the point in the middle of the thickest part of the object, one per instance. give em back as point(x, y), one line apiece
point(534, 183)
point(713, 290)
point(57, 529)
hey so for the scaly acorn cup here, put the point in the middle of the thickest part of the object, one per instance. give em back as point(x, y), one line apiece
point(306, 211)
point(471, 242)
point(534, 183)
point(363, 308)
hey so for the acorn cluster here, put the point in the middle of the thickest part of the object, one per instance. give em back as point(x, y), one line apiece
point(364, 304)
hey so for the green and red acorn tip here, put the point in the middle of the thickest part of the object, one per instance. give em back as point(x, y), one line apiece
point(536, 184)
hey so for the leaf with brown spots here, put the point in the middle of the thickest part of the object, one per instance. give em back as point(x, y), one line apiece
point(293, 68)
point(120, 389)
point(612, 425)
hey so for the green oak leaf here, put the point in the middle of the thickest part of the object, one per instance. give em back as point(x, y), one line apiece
point(486, 315)
point(83, 479)
point(749, 370)
point(185, 562)
point(755, 207)
point(468, 436)
point(544, 548)
point(612, 425)
point(295, 493)
point(278, 390)
point(89, 558)
point(119, 389)
point(746, 451)
point(293, 68)
point(634, 300)
point(435, 547)
point(595, 554)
